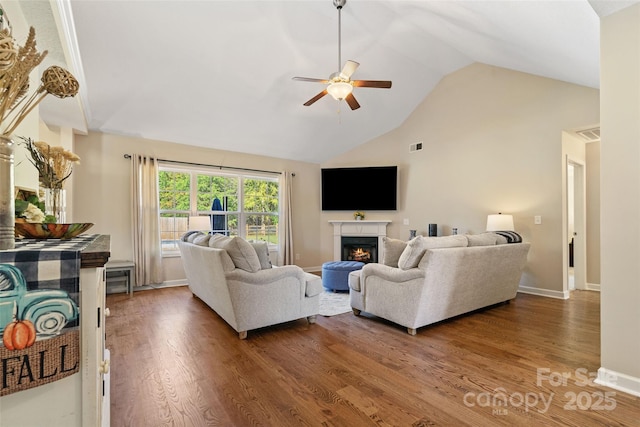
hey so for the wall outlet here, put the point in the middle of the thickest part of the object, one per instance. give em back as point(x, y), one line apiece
point(297, 257)
point(405, 221)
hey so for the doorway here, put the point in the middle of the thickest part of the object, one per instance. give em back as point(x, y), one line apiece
point(575, 248)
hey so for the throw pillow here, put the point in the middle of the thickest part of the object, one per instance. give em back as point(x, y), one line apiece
point(227, 262)
point(202, 240)
point(242, 254)
point(218, 240)
point(186, 235)
point(416, 248)
point(392, 249)
point(512, 236)
point(262, 250)
point(412, 253)
point(484, 239)
point(191, 237)
point(500, 239)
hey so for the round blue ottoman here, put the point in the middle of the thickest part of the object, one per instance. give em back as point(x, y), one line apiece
point(335, 274)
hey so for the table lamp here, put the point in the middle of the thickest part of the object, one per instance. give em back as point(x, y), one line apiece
point(200, 223)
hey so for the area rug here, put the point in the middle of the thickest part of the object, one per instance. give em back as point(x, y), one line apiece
point(333, 303)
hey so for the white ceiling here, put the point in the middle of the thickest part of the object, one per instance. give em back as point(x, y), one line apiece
point(218, 73)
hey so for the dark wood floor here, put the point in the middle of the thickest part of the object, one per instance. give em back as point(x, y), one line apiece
point(176, 363)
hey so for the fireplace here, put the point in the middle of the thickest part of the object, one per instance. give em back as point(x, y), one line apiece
point(362, 249)
point(375, 229)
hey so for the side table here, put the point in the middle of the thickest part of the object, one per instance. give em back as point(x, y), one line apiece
point(119, 271)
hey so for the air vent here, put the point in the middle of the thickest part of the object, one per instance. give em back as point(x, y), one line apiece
point(415, 147)
point(590, 135)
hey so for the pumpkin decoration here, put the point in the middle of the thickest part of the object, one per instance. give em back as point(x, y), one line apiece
point(19, 334)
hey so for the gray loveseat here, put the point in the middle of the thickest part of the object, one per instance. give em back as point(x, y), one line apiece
point(235, 279)
point(430, 279)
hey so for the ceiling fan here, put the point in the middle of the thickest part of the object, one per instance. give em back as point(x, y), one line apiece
point(339, 84)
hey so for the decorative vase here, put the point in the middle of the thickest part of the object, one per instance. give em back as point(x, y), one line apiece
point(55, 203)
point(7, 202)
point(412, 234)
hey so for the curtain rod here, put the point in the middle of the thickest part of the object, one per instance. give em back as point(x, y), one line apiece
point(128, 156)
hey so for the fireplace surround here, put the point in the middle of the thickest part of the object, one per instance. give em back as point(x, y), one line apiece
point(356, 229)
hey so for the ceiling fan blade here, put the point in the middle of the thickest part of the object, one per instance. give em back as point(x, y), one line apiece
point(348, 69)
point(309, 79)
point(315, 98)
point(351, 100)
point(383, 84)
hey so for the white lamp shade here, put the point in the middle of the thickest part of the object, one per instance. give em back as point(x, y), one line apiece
point(200, 223)
point(339, 90)
point(500, 222)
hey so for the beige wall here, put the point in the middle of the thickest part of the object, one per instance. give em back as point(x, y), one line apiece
point(620, 196)
point(593, 212)
point(102, 190)
point(492, 143)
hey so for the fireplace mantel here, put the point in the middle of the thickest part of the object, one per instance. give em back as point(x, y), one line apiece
point(374, 227)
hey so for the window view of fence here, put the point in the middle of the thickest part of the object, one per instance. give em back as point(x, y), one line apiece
point(237, 205)
point(171, 228)
point(261, 200)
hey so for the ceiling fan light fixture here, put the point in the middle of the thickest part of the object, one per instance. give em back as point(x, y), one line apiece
point(339, 90)
point(339, 85)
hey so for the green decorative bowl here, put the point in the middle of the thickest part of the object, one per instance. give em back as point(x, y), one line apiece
point(32, 230)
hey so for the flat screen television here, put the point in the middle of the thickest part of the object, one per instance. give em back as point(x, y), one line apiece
point(360, 188)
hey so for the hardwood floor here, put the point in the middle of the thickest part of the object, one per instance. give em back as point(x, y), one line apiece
point(174, 362)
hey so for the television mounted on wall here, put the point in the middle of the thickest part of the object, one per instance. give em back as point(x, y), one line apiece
point(372, 188)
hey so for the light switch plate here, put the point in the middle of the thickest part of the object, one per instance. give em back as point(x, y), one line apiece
point(537, 219)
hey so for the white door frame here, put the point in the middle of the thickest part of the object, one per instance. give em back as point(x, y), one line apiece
point(580, 226)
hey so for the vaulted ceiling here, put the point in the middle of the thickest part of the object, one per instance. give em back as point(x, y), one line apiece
point(219, 73)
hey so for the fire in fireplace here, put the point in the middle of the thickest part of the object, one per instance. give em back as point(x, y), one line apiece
point(363, 249)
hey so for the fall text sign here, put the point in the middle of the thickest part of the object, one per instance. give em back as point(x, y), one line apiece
point(44, 362)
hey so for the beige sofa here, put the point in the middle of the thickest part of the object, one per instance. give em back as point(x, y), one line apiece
point(431, 279)
point(236, 280)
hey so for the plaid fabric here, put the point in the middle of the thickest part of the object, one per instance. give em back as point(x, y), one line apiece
point(512, 236)
point(50, 263)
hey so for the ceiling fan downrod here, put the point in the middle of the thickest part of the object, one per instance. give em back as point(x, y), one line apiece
point(339, 4)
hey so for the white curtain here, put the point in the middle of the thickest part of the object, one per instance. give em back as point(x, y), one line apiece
point(285, 254)
point(145, 216)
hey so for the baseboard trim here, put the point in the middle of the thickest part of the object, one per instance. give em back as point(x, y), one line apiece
point(165, 284)
point(618, 381)
point(172, 283)
point(544, 292)
point(593, 287)
point(312, 269)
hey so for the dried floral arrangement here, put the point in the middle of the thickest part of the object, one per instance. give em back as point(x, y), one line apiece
point(16, 63)
point(54, 164)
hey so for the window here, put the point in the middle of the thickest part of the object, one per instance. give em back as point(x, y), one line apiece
point(261, 210)
point(248, 205)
